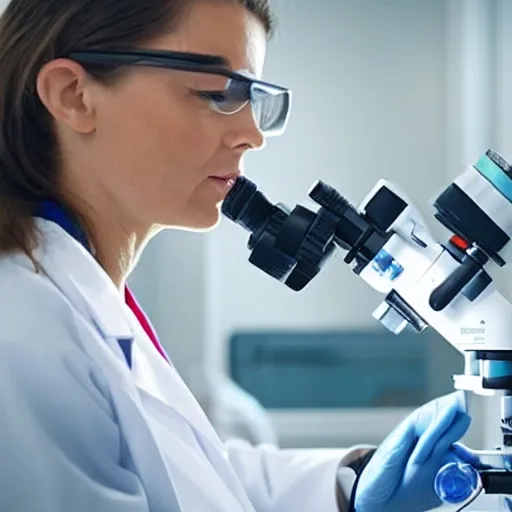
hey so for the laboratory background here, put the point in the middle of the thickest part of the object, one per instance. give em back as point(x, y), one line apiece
point(409, 90)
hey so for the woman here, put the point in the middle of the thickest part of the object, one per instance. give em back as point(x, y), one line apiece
point(120, 118)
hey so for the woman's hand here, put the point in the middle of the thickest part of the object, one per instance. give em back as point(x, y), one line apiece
point(400, 476)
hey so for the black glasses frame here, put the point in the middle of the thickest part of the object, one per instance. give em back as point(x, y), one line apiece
point(181, 61)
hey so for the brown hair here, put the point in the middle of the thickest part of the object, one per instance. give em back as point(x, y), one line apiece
point(33, 32)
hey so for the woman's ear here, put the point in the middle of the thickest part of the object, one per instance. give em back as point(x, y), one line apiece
point(65, 89)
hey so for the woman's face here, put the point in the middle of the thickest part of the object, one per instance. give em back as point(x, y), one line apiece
point(147, 148)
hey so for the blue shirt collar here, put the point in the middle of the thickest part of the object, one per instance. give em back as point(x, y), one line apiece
point(52, 211)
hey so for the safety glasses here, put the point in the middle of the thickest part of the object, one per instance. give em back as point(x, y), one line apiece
point(270, 103)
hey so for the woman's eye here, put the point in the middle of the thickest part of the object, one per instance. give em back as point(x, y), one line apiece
point(222, 102)
point(215, 96)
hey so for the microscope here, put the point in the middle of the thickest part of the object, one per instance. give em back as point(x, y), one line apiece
point(425, 283)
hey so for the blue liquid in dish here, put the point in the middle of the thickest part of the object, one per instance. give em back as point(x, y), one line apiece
point(456, 483)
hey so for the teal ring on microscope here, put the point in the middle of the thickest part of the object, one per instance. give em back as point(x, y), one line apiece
point(497, 369)
point(489, 170)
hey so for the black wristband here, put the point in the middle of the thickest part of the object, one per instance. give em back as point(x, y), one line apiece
point(358, 465)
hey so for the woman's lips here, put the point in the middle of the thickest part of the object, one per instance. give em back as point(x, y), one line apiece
point(224, 183)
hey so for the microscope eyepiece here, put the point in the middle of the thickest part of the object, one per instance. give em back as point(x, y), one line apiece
point(293, 245)
point(238, 197)
point(247, 206)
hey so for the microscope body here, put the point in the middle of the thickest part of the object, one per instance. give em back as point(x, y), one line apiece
point(425, 283)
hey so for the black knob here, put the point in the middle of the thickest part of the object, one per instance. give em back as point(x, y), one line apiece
point(272, 261)
point(453, 285)
point(329, 198)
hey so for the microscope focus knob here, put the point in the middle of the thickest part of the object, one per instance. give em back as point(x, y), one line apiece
point(396, 314)
point(390, 318)
point(329, 198)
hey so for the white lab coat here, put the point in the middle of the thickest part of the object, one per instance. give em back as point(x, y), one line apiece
point(80, 431)
point(234, 413)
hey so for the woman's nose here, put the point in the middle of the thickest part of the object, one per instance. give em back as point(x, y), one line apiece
point(243, 130)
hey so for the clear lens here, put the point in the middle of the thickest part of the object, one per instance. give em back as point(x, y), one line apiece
point(270, 109)
point(270, 105)
point(233, 99)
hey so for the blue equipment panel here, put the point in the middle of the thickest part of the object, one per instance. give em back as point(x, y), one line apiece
point(339, 369)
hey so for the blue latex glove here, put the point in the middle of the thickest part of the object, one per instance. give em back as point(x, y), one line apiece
point(400, 476)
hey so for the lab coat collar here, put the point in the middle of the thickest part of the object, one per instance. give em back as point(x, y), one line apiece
point(54, 211)
point(79, 276)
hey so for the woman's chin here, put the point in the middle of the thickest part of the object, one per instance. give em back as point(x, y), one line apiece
point(202, 222)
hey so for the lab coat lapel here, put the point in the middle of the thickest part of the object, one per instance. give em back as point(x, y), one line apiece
point(155, 376)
